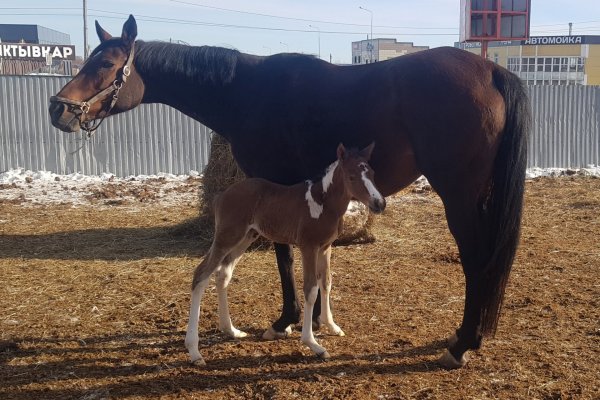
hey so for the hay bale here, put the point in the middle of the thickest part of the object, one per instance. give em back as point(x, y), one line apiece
point(223, 171)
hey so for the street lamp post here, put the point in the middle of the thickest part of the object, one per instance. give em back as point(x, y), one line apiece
point(370, 44)
point(286, 46)
point(319, 37)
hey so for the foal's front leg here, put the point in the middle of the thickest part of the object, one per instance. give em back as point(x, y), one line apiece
point(311, 291)
point(324, 274)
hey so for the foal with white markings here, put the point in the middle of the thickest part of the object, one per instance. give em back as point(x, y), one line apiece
point(307, 215)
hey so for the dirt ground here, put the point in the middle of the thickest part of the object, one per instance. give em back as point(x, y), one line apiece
point(94, 303)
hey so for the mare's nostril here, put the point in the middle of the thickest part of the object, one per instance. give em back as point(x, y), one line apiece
point(56, 109)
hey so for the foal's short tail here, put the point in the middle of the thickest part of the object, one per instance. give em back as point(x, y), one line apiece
point(505, 202)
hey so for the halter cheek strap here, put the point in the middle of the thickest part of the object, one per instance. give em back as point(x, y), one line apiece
point(84, 106)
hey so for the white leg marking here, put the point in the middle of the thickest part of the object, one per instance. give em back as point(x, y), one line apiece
point(325, 283)
point(191, 337)
point(223, 279)
point(307, 333)
point(315, 208)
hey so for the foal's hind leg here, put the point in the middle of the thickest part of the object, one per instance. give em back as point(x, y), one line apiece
point(200, 281)
point(223, 279)
point(324, 277)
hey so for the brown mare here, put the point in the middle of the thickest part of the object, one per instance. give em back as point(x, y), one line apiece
point(445, 113)
point(306, 215)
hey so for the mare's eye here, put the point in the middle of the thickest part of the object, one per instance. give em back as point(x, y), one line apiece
point(106, 64)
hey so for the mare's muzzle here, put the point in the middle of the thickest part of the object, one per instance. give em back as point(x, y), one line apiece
point(64, 117)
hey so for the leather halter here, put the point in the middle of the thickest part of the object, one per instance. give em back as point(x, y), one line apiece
point(91, 125)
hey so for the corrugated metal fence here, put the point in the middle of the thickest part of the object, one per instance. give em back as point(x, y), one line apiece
point(149, 139)
point(155, 138)
point(566, 126)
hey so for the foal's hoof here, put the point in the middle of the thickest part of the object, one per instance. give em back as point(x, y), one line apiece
point(272, 334)
point(324, 355)
point(199, 362)
point(448, 361)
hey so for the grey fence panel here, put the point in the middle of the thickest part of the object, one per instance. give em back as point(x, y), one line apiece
point(155, 138)
point(149, 139)
point(566, 126)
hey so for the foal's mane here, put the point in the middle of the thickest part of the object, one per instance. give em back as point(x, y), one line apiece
point(350, 152)
point(204, 64)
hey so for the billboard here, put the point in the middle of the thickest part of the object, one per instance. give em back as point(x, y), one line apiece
point(494, 20)
point(37, 52)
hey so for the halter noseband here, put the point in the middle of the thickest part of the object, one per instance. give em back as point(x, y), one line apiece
point(91, 125)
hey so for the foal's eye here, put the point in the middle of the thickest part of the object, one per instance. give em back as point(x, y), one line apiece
point(107, 64)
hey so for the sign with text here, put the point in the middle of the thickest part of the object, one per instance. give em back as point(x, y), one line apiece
point(29, 51)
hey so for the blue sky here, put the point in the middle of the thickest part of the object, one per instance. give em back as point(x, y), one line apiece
point(273, 26)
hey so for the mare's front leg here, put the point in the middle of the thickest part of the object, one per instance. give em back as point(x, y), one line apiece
point(311, 292)
point(290, 313)
point(324, 278)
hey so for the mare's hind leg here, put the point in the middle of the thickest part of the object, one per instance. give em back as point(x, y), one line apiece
point(290, 314)
point(463, 213)
point(223, 278)
point(324, 277)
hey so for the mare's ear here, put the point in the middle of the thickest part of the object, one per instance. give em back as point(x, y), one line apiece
point(129, 31)
point(341, 151)
point(367, 151)
point(102, 34)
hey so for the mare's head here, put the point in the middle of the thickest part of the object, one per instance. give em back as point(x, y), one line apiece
point(358, 176)
point(107, 83)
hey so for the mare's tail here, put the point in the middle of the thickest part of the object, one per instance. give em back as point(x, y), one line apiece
point(505, 203)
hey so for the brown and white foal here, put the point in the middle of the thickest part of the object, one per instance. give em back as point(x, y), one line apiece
point(307, 215)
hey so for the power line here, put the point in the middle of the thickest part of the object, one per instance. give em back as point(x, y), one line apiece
point(220, 25)
point(297, 19)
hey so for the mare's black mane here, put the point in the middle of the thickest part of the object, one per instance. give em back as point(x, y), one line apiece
point(204, 63)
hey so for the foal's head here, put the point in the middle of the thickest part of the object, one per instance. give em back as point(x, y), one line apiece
point(358, 176)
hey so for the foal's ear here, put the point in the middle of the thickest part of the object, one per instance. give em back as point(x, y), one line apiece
point(341, 151)
point(102, 34)
point(367, 151)
point(129, 31)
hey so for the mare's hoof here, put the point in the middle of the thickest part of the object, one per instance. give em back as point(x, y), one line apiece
point(236, 333)
point(272, 334)
point(324, 355)
point(449, 362)
point(452, 340)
